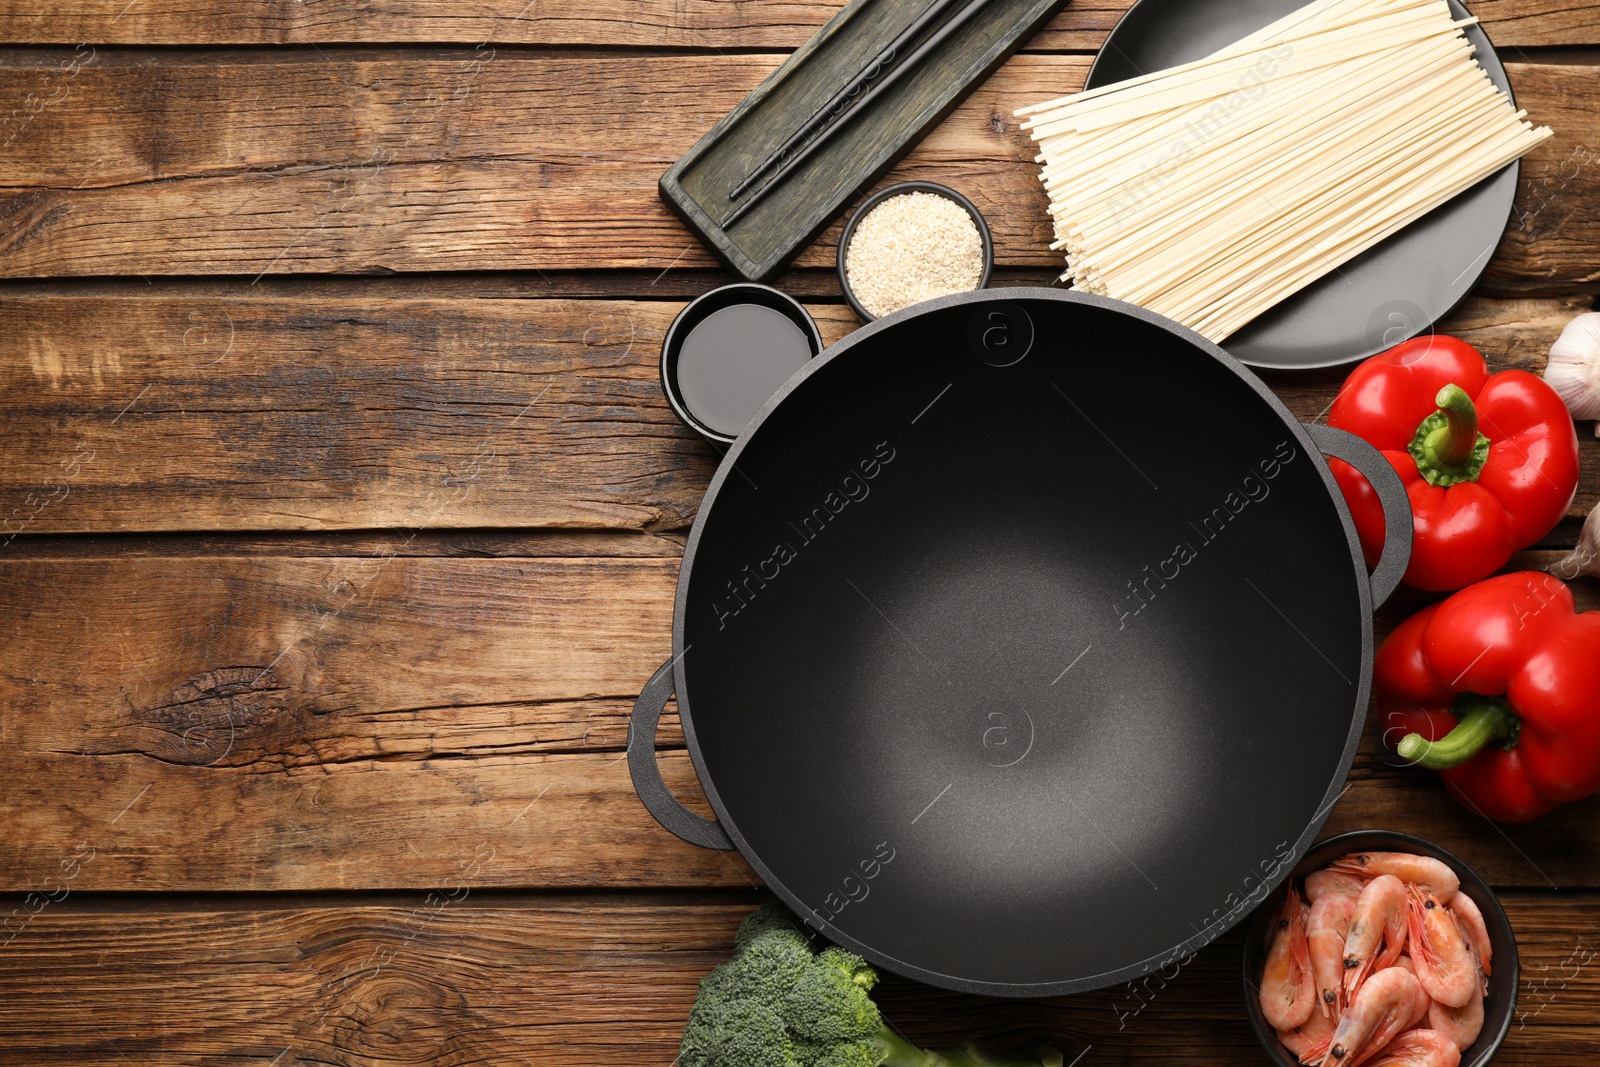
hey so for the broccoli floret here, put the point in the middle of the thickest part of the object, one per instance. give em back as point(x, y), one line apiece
point(868, 1053)
point(781, 1003)
point(828, 1005)
point(770, 918)
point(852, 966)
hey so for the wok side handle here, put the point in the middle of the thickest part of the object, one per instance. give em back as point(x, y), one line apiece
point(1398, 530)
point(646, 772)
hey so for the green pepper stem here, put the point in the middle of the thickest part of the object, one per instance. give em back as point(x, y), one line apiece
point(1451, 444)
point(1483, 720)
point(1447, 446)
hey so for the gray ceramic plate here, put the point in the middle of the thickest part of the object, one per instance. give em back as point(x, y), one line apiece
point(1392, 291)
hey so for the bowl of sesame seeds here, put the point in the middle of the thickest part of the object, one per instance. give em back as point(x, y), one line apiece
point(911, 242)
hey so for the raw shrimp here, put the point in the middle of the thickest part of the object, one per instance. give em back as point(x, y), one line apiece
point(1445, 966)
point(1424, 1002)
point(1420, 1048)
point(1462, 1024)
point(1381, 1009)
point(1320, 883)
point(1379, 919)
point(1312, 1033)
point(1326, 929)
point(1424, 871)
point(1470, 919)
point(1288, 992)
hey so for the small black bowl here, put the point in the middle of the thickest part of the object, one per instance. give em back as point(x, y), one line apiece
point(895, 190)
point(1499, 1007)
point(701, 308)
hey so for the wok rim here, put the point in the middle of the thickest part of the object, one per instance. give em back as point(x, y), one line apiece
point(1284, 864)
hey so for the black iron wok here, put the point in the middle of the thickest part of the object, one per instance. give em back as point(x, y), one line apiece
point(1022, 642)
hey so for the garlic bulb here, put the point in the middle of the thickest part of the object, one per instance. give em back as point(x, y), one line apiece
point(1585, 559)
point(1574, 367)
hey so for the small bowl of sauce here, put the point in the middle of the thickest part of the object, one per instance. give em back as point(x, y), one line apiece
point(729, 351)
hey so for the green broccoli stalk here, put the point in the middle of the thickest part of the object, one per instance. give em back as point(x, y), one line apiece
point(778, 1003)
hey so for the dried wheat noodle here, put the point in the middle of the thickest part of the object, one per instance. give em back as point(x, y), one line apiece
point(1212, 191)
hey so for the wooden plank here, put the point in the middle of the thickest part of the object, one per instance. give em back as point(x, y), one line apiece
point(207, 414)
point(237, 412)
point(811, 283)
point(224, 723)
point(574, 981)
point(1081, 25)
point(380, 543)
point(310, 723)
point(455, 160)
point(1551, 233)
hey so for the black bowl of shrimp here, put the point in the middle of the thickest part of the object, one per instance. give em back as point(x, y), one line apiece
point(1385, 950)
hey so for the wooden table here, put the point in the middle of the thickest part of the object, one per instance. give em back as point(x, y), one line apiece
point(347, 512)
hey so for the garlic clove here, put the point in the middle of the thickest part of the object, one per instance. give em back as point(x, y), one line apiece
point(1584, 559)
point(1573, 370)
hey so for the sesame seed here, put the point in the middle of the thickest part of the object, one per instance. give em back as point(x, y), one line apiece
point(913, 247)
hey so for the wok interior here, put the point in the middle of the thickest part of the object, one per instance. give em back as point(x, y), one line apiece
point(1021, 675)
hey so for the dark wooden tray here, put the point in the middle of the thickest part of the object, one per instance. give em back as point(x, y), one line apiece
point(759, 244)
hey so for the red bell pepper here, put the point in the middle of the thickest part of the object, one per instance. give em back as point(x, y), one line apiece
point(1498, 687)
point(1490, 462)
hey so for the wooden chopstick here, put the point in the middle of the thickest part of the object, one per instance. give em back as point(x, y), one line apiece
point(839, 102)
point(880, 86)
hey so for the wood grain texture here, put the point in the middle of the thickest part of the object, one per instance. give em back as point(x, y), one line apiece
point(352, 723)
point(285, 724)
point(288, 414)
point(1551, 237)
point(328, 606)
point(466, 160)
point(459, 977)
point(466, 543)
point(1080, 25)
point(398, 161)
point(243, 412)
point(811, 283)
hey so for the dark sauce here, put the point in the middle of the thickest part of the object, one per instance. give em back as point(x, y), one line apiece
point(734, 360)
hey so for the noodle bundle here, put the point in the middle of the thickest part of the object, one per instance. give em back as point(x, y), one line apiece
point(1213, 190)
